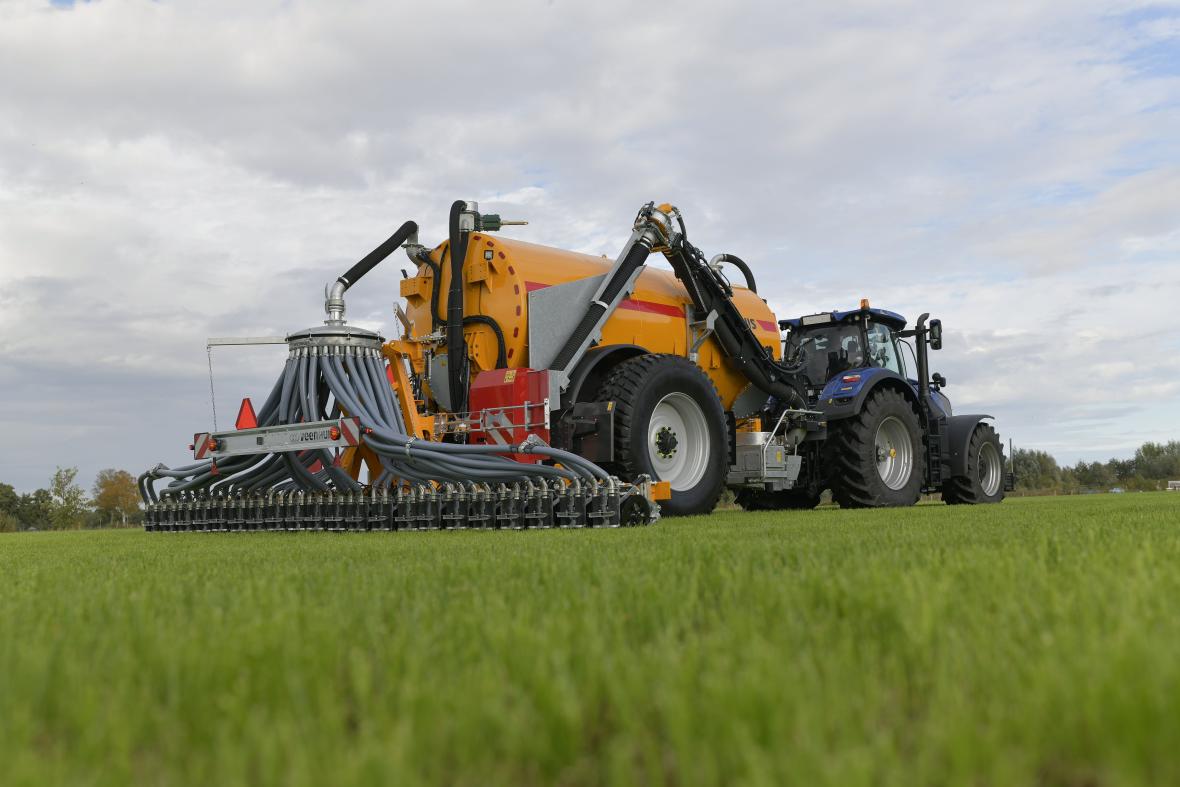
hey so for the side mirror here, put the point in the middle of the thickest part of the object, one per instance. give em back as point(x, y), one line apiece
point(938, 380)
point(935, 334)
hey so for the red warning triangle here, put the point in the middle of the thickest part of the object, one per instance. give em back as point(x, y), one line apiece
point(246, 417)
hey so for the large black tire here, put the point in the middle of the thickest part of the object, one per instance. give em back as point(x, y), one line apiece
point(637, 387)
point(984, 482)
point(865, 455)
point(787, 499)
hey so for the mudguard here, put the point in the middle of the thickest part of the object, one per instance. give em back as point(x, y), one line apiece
point(959, 429)
point(843, 397)
point(593, 367)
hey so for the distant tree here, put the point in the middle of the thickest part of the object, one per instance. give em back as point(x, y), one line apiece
point(1069, 483)
point(1036, 470)
point(35, 511)
point(68, 509)
point(1158, 461)
point(116, 497)
point(1123, 469)
point(1095, 475)
point(9, 500)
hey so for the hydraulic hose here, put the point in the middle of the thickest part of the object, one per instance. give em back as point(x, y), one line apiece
point(710, 293)
point(741, 265)
point(483, 319)
point(435, 287)
point(473, 319)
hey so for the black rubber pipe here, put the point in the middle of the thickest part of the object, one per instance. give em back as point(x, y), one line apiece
point(435, 286)
point(456, 346)
point(370, 260)
point(741, 265)
point(483, 319)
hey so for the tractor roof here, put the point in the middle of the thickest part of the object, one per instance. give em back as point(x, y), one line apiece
point(891, 319)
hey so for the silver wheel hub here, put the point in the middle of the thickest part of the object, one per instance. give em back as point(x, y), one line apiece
point(894, 453)
point(990, 468)
point(678, 441)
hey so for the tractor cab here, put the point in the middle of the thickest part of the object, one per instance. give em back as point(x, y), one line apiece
point(841, 343)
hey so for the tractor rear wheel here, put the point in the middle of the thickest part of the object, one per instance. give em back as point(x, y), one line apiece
point(668, 424)
point(787, 499)
point(984, 482)
point(876, 458)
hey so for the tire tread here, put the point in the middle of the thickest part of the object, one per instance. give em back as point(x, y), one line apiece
point(622, 386)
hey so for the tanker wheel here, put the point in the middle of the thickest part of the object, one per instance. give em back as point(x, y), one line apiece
point(984, 482)
point(876, 458)
point(787, 499)
point(668, 424)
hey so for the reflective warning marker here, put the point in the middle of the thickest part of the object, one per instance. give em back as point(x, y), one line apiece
point(246, 417)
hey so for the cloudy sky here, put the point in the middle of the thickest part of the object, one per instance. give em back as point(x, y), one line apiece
point(171, 171)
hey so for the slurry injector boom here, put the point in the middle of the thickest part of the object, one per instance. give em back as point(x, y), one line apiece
point(533, 387)
point(333, 407)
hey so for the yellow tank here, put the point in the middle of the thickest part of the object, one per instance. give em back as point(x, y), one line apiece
point(500, 272)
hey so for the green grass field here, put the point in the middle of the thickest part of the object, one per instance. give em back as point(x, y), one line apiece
point(1035, 642)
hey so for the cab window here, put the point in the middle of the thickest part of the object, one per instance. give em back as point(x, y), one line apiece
point(883, 349)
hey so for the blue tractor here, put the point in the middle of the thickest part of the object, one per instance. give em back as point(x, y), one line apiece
point(889, 432)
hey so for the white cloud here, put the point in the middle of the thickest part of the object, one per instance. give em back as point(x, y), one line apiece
point(171, 171)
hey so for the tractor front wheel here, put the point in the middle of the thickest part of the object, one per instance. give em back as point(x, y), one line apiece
point(668, 424)
point(984, 482)
point(876, 458)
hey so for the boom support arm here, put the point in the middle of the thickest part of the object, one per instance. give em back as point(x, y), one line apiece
point(662, 229)
point(711, 294)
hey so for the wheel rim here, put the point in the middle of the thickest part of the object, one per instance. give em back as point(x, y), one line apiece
point(678, 441)
point(989, 466)
point(895, 453)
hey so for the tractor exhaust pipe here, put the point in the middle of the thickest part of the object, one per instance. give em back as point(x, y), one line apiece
point(923, 360)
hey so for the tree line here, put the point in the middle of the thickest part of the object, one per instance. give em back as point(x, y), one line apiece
point(1153, 465)
point(114, 499)
point(114, 502)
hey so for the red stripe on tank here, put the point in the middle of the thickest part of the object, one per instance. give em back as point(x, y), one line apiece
point(650, 307)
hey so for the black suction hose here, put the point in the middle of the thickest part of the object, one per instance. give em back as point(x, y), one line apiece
point(456, 346)
point(370, 260)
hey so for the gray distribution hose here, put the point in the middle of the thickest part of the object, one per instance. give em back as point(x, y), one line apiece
point(446, 461)
point(316, 381)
